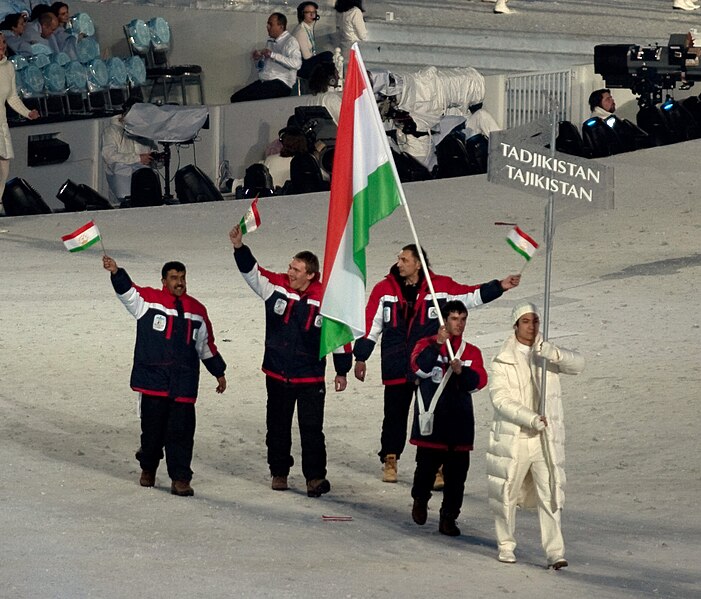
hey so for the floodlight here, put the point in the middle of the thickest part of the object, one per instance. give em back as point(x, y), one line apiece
point(77, 198)
point(20, 199)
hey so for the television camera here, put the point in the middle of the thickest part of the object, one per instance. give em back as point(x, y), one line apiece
point(648, 70)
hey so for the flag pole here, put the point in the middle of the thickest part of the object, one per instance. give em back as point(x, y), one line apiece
point(402, 196)
point(104, 252)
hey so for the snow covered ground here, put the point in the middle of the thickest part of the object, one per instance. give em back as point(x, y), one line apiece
point(75, 523)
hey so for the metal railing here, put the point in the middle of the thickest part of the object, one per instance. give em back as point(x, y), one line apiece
point(531, 96)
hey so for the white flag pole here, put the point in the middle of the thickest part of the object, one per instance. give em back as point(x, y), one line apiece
point(383, 135)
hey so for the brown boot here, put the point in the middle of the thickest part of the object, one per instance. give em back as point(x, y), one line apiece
point(148, 478)
point(439, 483)
point(317, 487)
point(389, 471)
point(419, 513)
point(446, 525)
point(279, 483)
point(182, 488)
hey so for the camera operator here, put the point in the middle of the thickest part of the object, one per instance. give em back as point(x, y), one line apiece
point(601, 103)
point(123, 155)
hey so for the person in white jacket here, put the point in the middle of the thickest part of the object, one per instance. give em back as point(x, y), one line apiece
point(350, 25)
point(525, 458)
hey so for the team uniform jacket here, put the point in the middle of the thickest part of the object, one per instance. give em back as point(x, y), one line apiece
point(453, 418)
point(385, 314)
point(168, 347)
point(292, 325)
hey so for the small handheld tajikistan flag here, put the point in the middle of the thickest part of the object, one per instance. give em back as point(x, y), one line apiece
point(82, 238)
point(251, 220)
point(522, 243)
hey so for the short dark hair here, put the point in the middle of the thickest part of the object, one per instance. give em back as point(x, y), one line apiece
point(301, 7)
point(453, 306)
point(281, 19)
point(310, 261)
point(172, 265)
point(415, 252)
point(596, 97)
point(46, 18)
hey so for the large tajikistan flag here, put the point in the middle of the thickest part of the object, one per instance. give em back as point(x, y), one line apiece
point(365, 189)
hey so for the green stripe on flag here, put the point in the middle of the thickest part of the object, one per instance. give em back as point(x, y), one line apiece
point(334, 334)
point(370, 205)
point(518, 249)
point(80, 248)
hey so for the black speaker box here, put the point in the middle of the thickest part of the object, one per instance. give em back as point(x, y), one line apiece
point(47, 151)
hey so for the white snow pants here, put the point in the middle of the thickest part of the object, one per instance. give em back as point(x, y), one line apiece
point(530, 457)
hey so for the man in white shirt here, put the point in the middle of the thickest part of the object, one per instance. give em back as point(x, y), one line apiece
point(278, 64)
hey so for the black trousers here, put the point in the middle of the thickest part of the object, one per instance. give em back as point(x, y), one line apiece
point(455, 467)
point(309, 399)
point(309, 64)
point(398, 400)
point(261, 90)
point(168, 424)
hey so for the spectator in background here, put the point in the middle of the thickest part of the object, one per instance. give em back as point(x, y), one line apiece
point(39, 32)
point(278, 64)
point(601, 103)
point(307, 16)
point(123, 154)
point(293, 142)
point(62, 33)
point(12, 28)
point(350, 25)
point(8, 94)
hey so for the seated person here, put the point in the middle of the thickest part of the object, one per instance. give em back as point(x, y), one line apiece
point(601, 103)
point(12, 28)
point(123, 155)
point(38, 32)
point(62, 34)
point(279, 62)
point(307, 17)
point(293, 142)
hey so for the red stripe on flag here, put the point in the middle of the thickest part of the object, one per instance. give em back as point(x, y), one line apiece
point(77, 232)
point(341, 197)
point(254, 208)
point(526, 237)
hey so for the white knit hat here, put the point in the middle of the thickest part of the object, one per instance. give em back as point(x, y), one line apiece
point(521, 308)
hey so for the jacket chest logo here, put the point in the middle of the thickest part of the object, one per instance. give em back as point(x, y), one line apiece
point(159, 322)
point(432, 312)
point(317, 321)
point(279, 307)
point(387, 314)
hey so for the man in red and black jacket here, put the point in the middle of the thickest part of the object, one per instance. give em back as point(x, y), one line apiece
point(449, 441)
point(401, 309)
point(173, 333)
point(294, 374)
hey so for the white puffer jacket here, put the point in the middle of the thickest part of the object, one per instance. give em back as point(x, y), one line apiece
point(509, 389)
